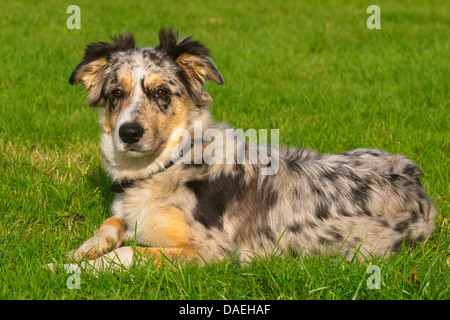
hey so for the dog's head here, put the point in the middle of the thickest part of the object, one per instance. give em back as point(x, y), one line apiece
point(147, 93)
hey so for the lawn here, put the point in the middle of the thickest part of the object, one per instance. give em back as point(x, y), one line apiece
point(312, 70)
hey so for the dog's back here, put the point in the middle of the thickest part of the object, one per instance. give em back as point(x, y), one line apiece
point(365, 201)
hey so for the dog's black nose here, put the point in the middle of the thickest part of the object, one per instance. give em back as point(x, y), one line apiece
point(131, 132)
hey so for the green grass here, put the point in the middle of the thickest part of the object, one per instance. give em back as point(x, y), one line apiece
point(313, 71)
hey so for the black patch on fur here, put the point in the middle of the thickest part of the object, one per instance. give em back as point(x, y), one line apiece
point(361, 195)
point(323, 240)
point(394, 177)
point(267, 197)
point(322, 211)
point(94, 51)
point(408, 241)
point(113, 103)
point(414, 217)
point(335, 234)
point(364, 211)
point(317, 191)
point(383, 223)
point(358, 163)
point(296, 159)
point(293, 164)
point(422, 212)
point(153, 57)
point(267, 232)
point(213, 197)
point(420, 238)
point(295, 227)
point(331, 175)
point(401, 226)
point(120, 186)
point(164, 102)
point(412, 171)
point(168, 42)
point(421, 193)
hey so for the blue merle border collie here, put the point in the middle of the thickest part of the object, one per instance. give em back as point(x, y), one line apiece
point(362, 202)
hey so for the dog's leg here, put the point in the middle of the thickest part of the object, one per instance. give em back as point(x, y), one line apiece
point(124, 257)
point(109, 236)
point(175, 255)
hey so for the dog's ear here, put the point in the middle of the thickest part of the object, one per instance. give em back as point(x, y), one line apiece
point(91, 71)
point(193, 59)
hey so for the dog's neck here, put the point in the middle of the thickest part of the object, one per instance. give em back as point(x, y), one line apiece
point(119, 186)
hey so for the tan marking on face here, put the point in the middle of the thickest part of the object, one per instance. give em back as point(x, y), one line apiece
point(163, 122)
point(126, 80)
point(105, 123)
point(108, 121)
point(127, 84)
point(177, 122)
point(153, 80)
point(181, 112)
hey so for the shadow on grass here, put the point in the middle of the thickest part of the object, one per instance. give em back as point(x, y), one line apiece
point(100, 182)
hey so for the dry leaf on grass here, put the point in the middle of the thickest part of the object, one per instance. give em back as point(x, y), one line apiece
point(215, 20)
point(304, 75)
point(414, 276)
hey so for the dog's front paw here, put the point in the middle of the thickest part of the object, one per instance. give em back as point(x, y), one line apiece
point(95, 247)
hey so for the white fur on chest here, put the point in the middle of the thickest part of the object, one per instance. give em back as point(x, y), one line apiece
point(148, 216)
point(143, 223)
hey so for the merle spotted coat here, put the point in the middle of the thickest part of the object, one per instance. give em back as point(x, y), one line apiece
point(364, 201)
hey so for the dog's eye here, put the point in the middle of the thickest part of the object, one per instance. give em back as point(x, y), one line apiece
point(160, 93)
point(117, 93)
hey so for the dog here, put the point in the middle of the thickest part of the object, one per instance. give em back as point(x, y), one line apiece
point(177, 206)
